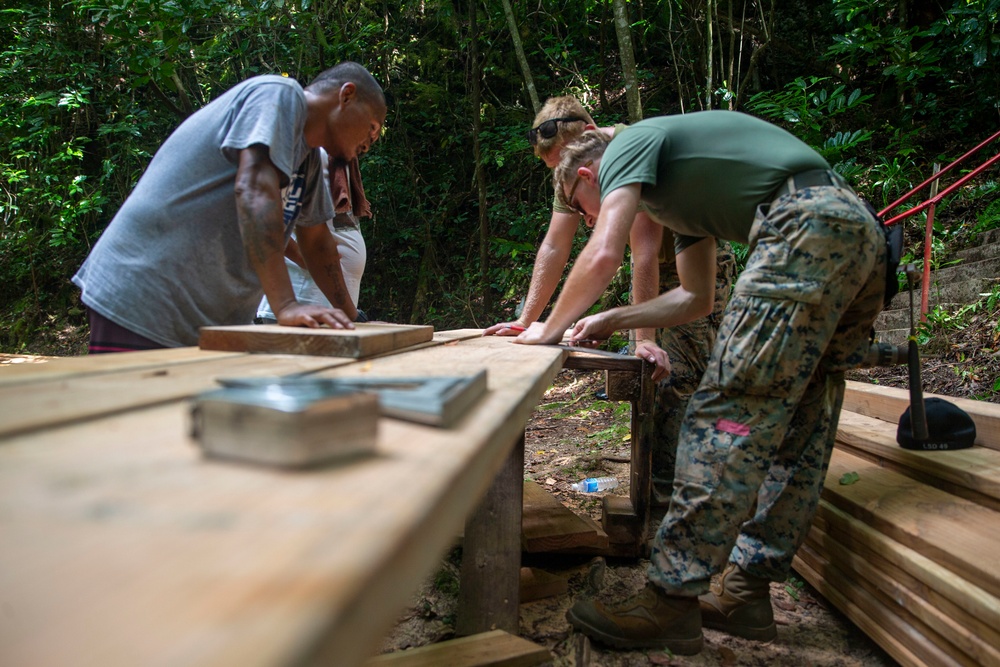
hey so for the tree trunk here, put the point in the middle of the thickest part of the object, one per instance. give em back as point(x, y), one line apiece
point(521, 58)
point(476, 75)
point(709, 74)
point(624, 31)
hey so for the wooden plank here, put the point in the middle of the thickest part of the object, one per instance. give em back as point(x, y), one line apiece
point(38, 405)
point(489, 596)
point(365, 340)
point(899, 639)
point(182, 561)
point(60, 367)
point(960, 535)
point(548, 525)
point(537, 584)
point(877, 577)
point(972, 473)
point(488, 649)
point(888, 403)
point(941, 587)
point(900, 571)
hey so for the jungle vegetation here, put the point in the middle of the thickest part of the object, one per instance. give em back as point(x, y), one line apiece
point(88, 90)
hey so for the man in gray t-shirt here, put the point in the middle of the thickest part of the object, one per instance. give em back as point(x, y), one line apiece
point(202, 236)
point(758, 432)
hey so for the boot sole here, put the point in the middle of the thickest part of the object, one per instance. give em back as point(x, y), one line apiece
point(765, 634)
point(679, 646)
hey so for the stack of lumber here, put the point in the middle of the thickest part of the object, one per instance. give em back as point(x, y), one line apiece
point(910, 552)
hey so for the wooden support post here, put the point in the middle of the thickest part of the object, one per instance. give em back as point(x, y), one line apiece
point(641, 486)
point(491, 556)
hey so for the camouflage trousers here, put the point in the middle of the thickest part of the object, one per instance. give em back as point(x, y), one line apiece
point(688, 346)
point(756, 439)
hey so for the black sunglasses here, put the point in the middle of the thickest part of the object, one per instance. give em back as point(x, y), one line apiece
point(549, 128)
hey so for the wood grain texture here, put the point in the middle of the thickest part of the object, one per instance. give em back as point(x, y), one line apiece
point(941, 587)
point(122, 546)
point(548, 525)
point(878, 578)
point(961, 535)
point(973, 474)
point(899, 639)
point(365, 340)
point(90, 395)
point(54, 368)
point(488, 649)
point(888, 403)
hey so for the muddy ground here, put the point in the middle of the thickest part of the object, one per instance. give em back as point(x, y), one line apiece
point(573, 435)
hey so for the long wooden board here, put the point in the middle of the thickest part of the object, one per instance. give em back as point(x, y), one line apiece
point(959, 534)
point(888, 403)
point(52, 368)
point(365, 340)
point(548, 525)
point(938, 585)
point(972, 473)
point(38, 405)
point(878, 578)
point(121, 546)
point(489, 649)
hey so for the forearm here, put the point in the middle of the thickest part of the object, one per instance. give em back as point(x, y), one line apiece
point(591, 274)
point(322, 259)
point(260, 215)
point(645, 240)
point(549, 265)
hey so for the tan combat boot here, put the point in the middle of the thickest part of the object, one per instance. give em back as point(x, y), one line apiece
point(740, 604)
point(651, 619)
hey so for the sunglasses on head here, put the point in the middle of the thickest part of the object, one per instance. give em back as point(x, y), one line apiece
point(549, 128)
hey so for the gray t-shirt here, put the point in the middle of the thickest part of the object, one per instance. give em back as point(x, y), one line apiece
point(704, 173)
point(172, 259)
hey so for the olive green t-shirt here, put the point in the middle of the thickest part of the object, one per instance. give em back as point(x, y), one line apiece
point(704, 174)
point(558, 206)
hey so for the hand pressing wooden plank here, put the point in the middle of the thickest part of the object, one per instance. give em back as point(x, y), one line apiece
point(973, 473)
point(888, 403)
point(365, 340)
point(959, 534)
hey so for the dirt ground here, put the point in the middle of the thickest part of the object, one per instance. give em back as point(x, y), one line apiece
point(573, 435)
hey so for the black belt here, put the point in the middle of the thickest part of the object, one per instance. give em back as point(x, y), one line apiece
point(809, 179)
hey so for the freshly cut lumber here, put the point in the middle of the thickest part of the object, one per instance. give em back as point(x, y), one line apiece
point(899, 639)
point(975, 608)
point(959, 534)
point(365, 340)
point(53, 368)
point(972, 473)
point(548, 525)
point(488, 649)
point(40, 405)
point(888, 403)
point(537, 584)
point(878, 578)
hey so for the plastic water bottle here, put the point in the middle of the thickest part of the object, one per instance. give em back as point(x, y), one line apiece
point(595, 484)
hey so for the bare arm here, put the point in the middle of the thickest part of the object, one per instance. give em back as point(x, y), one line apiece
point(550, 262)
point(645, 240)
point(694, 298)
point(322, 258)
point(260, 212)
point(293, 253)
point(594, 268)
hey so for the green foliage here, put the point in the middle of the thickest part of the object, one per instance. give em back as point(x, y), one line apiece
point(810, 110)
point(89, 90)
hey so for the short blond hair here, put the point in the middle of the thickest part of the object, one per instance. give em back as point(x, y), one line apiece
point(589, 147)
point(565, 106)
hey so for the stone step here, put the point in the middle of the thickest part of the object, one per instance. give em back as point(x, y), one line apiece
point(957, 284)
point(979, 253)
point(899, 318)
point(893, 336)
